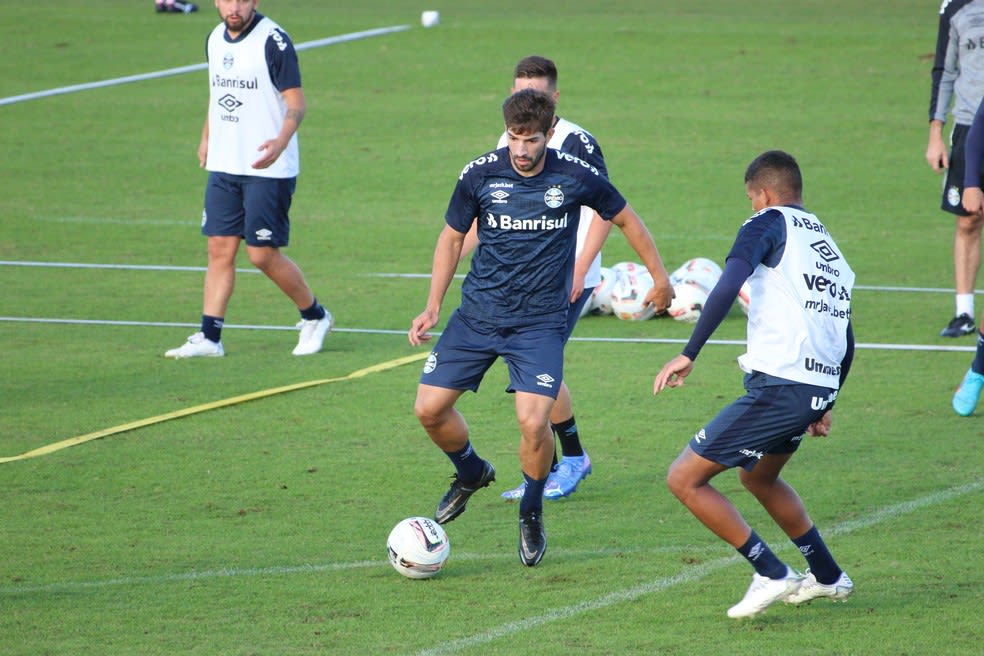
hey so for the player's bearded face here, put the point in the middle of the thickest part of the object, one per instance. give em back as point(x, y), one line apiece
point(236, 14)
point(526, 151)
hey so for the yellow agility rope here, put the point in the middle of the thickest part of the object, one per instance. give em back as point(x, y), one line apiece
point(140, 423)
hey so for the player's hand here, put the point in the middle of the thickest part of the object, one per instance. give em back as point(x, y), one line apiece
point(973, 200)
point(660, 295)
point(577, 285)
point(269, 152)
point(418, 329)
point(673, 373)
point(937, 154)
point(821, 427)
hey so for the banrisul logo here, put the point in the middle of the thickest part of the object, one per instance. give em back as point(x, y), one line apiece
point(553, 197)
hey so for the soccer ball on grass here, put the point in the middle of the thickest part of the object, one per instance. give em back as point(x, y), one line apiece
point(418, 547)
point(688, 302)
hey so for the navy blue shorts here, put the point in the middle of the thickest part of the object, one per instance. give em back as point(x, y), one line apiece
point(467, 348)
point(767, 420)
point(250, 207)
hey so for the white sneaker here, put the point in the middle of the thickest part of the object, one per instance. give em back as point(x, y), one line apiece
point(763, 592)
point(812, 589)
point(313, 333)
point(197, 347)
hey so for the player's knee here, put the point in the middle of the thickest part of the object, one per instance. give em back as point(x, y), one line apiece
point(677, 482)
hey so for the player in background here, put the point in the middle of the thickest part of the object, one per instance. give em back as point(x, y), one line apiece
point(249, 147)
point(526, 199)
point(958, 79)
point(969, 393)
point(174, 7)
point(800, 348)
point(540, 73)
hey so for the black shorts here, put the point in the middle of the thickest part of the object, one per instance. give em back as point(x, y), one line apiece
point(953, 182)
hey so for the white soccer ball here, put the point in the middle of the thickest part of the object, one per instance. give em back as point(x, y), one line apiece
point(601, 296)
point(418, 547)
point(688, 302)
point(629, 295)
point(745, 297)
point(701, 270)
point(430, 18)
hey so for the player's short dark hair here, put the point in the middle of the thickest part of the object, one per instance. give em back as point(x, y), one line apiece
point(777, 170)
point(528, 111)
point(536, 66)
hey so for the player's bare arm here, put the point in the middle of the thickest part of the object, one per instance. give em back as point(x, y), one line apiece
point(203, 144)
point(597, 234)
point(638, 236)
point(272, 148)
point(447, 252)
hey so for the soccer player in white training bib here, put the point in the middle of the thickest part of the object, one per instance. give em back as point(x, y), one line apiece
point(249, 147)
point(800, 348)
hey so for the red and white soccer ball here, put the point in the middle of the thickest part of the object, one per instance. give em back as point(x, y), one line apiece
point(418, 547)
point(688, 302)
point(601, 297)
point(745, 297)
point(701, 270)
point(629, 294)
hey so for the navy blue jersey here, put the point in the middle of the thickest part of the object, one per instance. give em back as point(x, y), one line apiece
point(527, 227)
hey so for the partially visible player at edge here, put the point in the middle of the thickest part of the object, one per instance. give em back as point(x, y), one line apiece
point(526, 199)
point(800, 349)
point(540, 73)
point(249, 147)
point(966, 397)
point(958, 80)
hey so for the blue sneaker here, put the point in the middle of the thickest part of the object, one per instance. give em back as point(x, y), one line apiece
point(515, 493)
point(564, 480)
point(966, 397)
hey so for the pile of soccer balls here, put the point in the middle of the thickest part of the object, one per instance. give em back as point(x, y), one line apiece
point(623, 288)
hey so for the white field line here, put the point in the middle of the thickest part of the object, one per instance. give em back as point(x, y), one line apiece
point(688, 575)
point(314, 568)
point(161, 267)
point(341, 38)
point(382, 331)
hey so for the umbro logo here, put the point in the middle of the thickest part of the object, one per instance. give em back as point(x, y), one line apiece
point(545, 380)
point(825, 250)
point(229, 103)
point(263, 234)
point(499, 196)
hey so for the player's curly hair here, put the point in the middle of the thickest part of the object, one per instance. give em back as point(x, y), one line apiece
point(528, 111)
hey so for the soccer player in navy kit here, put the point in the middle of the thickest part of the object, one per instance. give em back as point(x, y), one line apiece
point(249, 147)
point(527, 201)
point(800, 348)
